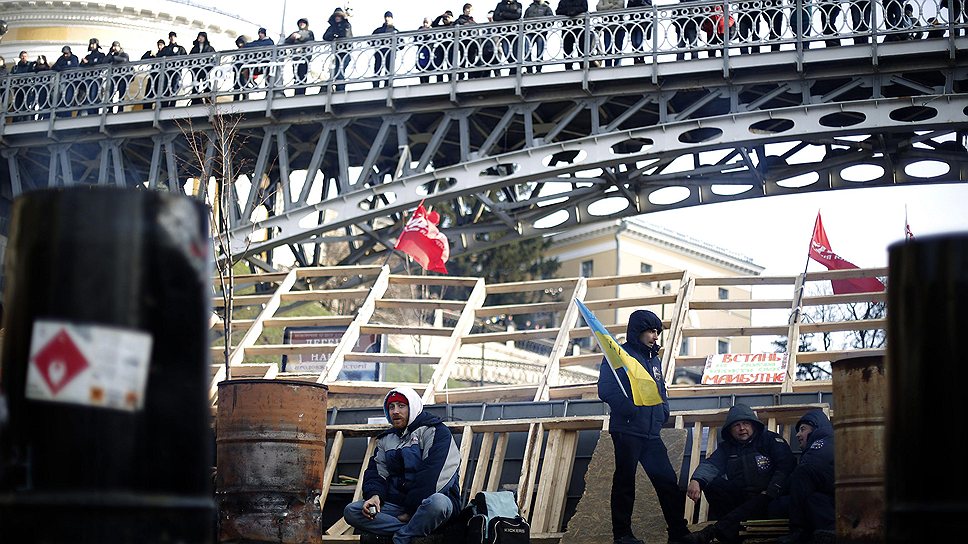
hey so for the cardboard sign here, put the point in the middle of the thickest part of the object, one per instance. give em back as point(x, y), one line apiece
point(733, 368)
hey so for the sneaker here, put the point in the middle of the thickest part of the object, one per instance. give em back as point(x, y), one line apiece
point(627, 539)
point(370, 538)
point(702, 537)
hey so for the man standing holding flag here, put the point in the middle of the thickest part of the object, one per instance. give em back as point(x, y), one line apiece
point(631, 383)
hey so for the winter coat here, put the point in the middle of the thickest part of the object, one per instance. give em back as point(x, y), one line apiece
point(572, 8)
point(819, 450)
point(626, 417)
point(200, 47)
point(22, 67)
point(117, 58)
point(507, 11)
point(412, 464)
point(385, 29)
point(94, 58)
point(172, 50)
point(65, 63)
point(338, 30)
point(639, 3)
point(539, 9)
point(302, 36)
point(439, 21)
point(762, 463)
point(609, 5)
point(263, 42)
point(465, 20)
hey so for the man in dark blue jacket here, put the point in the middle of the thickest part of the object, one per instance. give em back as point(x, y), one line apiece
point(748, 470)
point(811, 500)
point(411, 480)
point(635, 434)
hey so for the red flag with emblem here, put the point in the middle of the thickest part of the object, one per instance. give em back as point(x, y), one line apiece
point(424, 242)
point(821, 252)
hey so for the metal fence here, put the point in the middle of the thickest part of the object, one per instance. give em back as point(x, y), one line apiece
point(649, 35)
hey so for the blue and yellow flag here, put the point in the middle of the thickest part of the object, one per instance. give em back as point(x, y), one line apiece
point(645, 392)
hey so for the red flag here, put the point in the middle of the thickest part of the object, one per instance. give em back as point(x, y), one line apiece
point(423, 241)
point(820, 251)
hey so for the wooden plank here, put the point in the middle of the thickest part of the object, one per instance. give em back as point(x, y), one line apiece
point(845, 299)
point(529, 465)
point(618, 328)
point(463, 327)
point(691, 360)
point(837, 326)
point(339, 271)
point(466, 445)
point(587, 359)
point(325, 294)
point(241, 300)
point(673, 338)
point(483, 461)
point(336, 448)
point(419, 304)
point(746, 280)
point(771, 424)
point(778, 330)
point(562, 479)
point(748, 304)
point(255, 278)
point(341, 527)
point(611, 281)
point(310, 321)
point(546, 483)
point(393, 358)
point(613, 303)
point(402, 330)
point(288, 349)
point(486, 394)
point(694, 454)
point(805, 357)
point(482, 338)
point(251, 371)
point(517, 309)
point(712, 440)
point(534, 285)
point(552, 369)
point(497, 462)
point(363, 314)
point(454, 281)
point(368, 388)
point(847, 274)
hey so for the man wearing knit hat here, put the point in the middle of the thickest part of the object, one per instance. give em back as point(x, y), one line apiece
point(411, 480)
point(382, 59)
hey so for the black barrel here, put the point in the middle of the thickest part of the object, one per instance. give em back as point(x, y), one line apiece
point(927, 328)
point(106, 369)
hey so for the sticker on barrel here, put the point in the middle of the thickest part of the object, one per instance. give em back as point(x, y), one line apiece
point(88, 365)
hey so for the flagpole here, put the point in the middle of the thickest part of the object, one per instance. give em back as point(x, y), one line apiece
point(797, 307)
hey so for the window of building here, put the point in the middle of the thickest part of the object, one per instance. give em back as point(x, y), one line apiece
point(684, 348)
point(723, 293)
point(587, 269)
point(645, 268)
point(722, 346)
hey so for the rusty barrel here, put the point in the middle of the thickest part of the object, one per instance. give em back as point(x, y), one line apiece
point(270, 455)
point(926, 327)
point(860, 404)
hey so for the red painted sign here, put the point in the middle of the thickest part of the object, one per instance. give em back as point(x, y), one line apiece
point(59, 361)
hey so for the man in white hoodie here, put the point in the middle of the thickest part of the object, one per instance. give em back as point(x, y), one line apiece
point(411, 480)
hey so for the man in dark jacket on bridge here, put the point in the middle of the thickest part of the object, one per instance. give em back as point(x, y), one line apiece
point(635, 434)
point(811, 499)
point(748, 470)
point(411, 480)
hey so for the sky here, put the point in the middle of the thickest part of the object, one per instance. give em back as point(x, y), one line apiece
point(773, 231)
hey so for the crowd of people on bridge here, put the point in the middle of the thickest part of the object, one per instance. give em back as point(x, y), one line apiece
point(754, 25)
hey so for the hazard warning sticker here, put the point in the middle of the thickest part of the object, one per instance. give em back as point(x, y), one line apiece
point(89, 365)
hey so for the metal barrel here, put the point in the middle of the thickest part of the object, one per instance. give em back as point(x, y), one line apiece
point(860, 401)
point(926, 326)
point(106, 369)
point(271, 455)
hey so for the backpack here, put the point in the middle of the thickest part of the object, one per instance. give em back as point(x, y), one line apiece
point(492, 518)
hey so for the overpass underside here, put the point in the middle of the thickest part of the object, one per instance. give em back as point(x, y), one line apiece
point(513, 155)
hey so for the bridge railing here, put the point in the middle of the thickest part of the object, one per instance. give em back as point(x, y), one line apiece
point(650, 35)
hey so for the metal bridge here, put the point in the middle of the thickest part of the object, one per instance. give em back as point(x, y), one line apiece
point(334, 141)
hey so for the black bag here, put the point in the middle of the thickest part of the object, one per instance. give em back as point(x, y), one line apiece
point(492, 518)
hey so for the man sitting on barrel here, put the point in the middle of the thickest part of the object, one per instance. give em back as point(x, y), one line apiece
point(811, 499)
point(411, 480)
point(742, 477)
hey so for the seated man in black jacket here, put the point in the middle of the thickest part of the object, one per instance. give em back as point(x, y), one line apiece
point(742, 477)
point(811, 499)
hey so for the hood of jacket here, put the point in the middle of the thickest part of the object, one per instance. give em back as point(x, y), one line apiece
point(820, 423)
point(639, 322)
point(740, 412)
point(340, 12)
point(413, 400)
point(202, 34)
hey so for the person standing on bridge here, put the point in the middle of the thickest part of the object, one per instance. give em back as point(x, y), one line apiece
point(535, 45)
point(412, 478)
point(573, 31)
point(200, 46)
point(509, 11)
point(116, 57)
point(339, 30)
point(173, 75)
point(635, 435)
point(382, 58)
point(300, 56)
point(67, 61)
point(613, 32)
point(94, 57)
point(24, 99)
point(747, 472)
